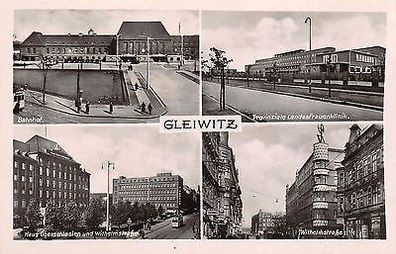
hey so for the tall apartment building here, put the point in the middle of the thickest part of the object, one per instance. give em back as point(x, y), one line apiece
point(311, 201)
point(45, 172)
point(221, 190)
point(361, 192)
point(164, 190)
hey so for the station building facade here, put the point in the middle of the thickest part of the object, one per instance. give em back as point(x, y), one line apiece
point(164, 190)
point(80, 47)
point(361, 192)
point(128, 44)
point(44, 172)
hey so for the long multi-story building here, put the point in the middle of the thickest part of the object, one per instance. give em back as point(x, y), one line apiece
point(361, 195)
point(296, 61)
point(43, 171)
point(221, 190)
point(311, 200)
point(128, 44)
point(164, 190)
point(80, 47)
point(349, 63)
point(267, 224)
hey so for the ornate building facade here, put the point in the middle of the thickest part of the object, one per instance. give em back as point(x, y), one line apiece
point(311, 201)
point(222, 201)
point(361, 195)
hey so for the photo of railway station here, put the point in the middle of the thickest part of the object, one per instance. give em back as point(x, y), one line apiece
point(142, 69)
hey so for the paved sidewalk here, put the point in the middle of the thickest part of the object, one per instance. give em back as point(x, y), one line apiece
point(140, 93)
point(67, 106)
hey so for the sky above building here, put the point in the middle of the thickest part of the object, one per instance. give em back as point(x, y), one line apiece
point(248, 36)
point(268, 157)
point(101, 21)
point(136, 150)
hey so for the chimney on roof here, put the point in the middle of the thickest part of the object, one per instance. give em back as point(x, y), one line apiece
point(354, 133)
point(91, 32)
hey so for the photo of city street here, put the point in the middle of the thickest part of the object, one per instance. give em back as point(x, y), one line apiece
point(289, 181)
point(130, 67)
point(293, 66)
point(102, 182)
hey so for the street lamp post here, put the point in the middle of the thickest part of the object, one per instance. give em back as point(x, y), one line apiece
point(44, 82)
point(247, 75)
point(147, 59)
point(109, 164)
point(309, 19)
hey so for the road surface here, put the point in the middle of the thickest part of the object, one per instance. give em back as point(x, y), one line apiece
point(266, 106)
point(164, 230)
point(180, 94)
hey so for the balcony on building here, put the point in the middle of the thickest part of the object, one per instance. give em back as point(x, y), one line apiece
point(323, 187)
point(320, 205)
point(320, 223)
point(320, 171)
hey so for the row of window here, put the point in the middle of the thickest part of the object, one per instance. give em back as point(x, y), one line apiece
point(360, 69)
point(333, 58)
point(145, 186)
point(69, 186)
point(59, 165)
point(77, 50)
point(367, 165)
point(23, 165)
point(145, 180)
point(63, 194)
point(141, 47)
point(365, 197)
point(364, 58)
point(22, 178)
point(55, 165)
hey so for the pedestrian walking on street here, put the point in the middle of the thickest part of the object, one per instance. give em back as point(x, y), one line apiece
point(150, 108)
point(143, 107)
point(111, 107)
point(87, 107)
point(78, 105)
point(17, 107)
